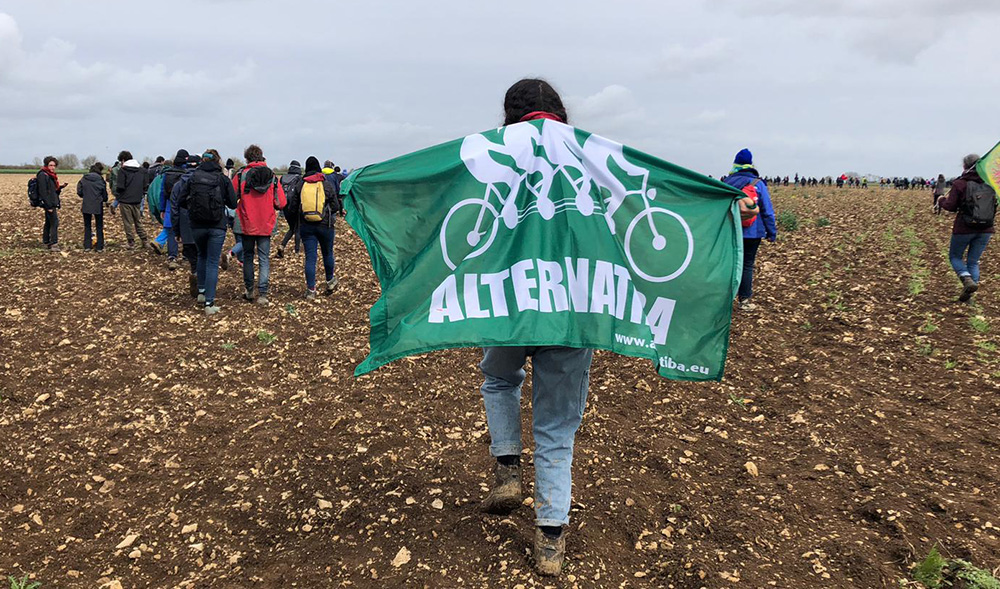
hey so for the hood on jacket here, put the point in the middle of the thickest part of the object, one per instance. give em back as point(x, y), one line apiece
point(312, 166)
point(93, 177)
point(131, 164)
point(295, 168)
point(317, 177)
point(210, 166)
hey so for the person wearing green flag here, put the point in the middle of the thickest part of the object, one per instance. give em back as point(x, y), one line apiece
point(541, 240)
point(559, 394)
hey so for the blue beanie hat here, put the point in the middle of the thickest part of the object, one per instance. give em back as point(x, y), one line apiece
point(743, 158)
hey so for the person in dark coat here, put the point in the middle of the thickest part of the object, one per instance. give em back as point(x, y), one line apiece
point(130, 192)
point(48, 193)
point(94, 192)
point(319, 234)
point(291, 182)
point(973, 227)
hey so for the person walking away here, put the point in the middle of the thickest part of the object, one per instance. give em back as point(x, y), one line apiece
point(763, 226)
point(94, 192)
point(206, 194)
point(180, 221)
point(976, 204)
point(49, 190)
point(129, 192)
point(559, 393)
point(291, 183)
point(939, 186)
point(319, 204)
point(260, 196)
point(171, 175)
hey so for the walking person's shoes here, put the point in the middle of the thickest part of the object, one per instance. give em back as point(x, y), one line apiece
point(262, 300)
point(156, 248)
point(970, 287)
point(55, 247)
point(311, 295)
point(193, 285)
point(550, 552)
point(171, 264)
point(746, 305)
point(505, 496)
point(224, 261)
point(281, 251)
point(211, 310)
point(330, 285)
point(248, 294)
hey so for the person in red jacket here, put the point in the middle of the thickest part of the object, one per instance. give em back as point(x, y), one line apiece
point(260, 197)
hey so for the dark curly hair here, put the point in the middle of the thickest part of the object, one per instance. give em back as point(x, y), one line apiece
point(529, 95)
point(253, 153)
point(124, 155)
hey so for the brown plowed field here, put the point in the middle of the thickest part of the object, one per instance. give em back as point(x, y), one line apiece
point(863, 394)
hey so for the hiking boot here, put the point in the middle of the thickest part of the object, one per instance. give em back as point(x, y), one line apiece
point(262, 300)
point(330, 285)
point(549, 553)
point(248, 294)
point(281, 251)
point(156, 248)
point(55, 247)
point(171, 264)
point(970, 285)
point(201, 299)
point(311, 295)
point(193, 284)
point(211, 310)
point(224, 261)
point(505, 496)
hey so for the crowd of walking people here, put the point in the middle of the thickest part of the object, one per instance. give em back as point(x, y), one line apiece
point(197, 202)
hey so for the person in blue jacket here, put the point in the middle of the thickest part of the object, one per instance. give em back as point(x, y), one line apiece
point(763, 227)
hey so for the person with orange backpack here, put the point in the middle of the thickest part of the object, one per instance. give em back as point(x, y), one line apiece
point(755, 227)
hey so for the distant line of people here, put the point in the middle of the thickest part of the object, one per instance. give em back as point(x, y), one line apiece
point(197, 201)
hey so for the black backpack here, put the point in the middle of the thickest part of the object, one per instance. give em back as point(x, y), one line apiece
point(979, 207)
point(33, 198)
point(205, 204)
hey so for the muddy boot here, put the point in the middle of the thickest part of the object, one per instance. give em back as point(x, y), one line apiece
point(549, 553)
point(971, 286)
point(505, 496)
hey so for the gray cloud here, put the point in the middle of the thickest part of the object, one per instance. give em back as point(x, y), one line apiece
point(817, 87)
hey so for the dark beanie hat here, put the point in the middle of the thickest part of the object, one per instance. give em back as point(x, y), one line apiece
point(230, 163)
point(295, 163)
point(194, 158)
point(312, 166)
point(181, 158)
point(743, 158)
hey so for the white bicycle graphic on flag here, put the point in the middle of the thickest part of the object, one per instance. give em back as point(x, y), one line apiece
point(515, 163)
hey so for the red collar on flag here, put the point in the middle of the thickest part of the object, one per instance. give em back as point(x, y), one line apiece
point(541, 114)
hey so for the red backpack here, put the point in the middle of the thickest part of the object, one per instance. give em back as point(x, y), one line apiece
point(748, 214)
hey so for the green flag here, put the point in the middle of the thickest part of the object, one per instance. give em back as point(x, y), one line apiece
point(542, 234)
point(988, 168)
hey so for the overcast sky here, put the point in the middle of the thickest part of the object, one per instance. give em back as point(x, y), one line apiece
point(817, 87)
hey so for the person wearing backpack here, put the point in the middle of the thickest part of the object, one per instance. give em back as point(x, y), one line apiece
point(94, 192)
point(47, 190)
point(976, 204)
point(130, 189)
point(291, 183)
point(206, 193)
point(169, 177)
point(180, 221)
point(260, 196)
point(319, 204)
point(746, 178)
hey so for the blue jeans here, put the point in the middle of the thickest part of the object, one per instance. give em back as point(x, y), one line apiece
point(975, 243)
point(209, 242)
point(750, 247)
point(313, 235)
point(559, 395)
point(171, 244)
point(263, 246)
point(237, 250)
